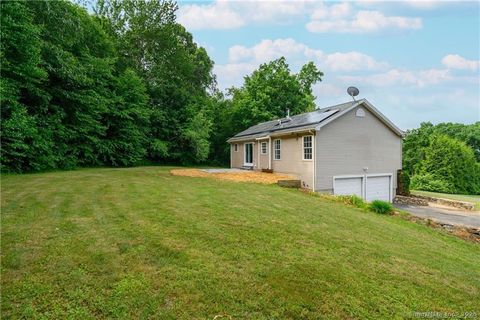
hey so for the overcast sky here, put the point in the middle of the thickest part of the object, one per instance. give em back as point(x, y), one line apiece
point(414, 60)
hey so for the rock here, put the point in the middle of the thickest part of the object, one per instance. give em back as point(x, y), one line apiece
point(410, 200)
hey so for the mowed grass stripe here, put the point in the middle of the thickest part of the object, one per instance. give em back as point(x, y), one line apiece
point(118, 243)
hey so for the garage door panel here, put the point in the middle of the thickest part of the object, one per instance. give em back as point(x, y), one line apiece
point(348, 186)
point(378, 188)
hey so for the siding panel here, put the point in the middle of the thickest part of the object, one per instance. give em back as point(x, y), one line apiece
point(349, 144)
point(291, 159)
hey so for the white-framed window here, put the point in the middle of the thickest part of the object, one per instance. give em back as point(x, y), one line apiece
point(307, 147)
point(235, 147)
point(264, 148)
point(277, 149)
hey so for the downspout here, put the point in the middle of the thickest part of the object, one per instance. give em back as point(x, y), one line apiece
point(314, 151)
point(269, 152)
point(258, 155)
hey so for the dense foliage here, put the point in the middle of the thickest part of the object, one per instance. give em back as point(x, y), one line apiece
point(443, 158)
point(124, 85)
point(379, 206)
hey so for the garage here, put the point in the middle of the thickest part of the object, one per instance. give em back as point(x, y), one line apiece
point(369, 187)
point(348, 185)
point(378, 187)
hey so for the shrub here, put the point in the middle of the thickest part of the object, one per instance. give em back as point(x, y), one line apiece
point(453, 162)
point(403, 187)
point(428, 182)
point(353, 200)
point(380, 206)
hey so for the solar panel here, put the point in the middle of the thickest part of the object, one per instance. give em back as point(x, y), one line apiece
point(304, 119)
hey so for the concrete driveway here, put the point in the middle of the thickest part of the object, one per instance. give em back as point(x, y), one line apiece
point(444, 215)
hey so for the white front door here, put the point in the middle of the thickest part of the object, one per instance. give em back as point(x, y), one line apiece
point(248, 154)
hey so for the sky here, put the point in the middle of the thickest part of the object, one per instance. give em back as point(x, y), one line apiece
point(416, 61)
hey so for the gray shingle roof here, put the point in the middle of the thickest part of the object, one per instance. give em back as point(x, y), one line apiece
point(298, 121)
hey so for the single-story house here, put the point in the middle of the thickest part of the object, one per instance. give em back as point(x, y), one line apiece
point(350, 148)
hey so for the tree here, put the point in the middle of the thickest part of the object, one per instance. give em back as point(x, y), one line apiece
point(126, 122)
point(177, 72)
point(20, 84)
point(272, 89)
point(452, 161)
point(417, 140)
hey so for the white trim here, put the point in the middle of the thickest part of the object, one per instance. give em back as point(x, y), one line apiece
point(258, 155)
point(280, 150)
point(247, 164)
point(314, 161)
point(303, 147)
point(269, 152)
point(261, 147)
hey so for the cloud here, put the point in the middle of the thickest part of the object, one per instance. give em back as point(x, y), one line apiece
point(294, 51)
point(217, 15)
point(244, 60)
point(352, 61)
point(231, 74)
point(335, 11)
point(223, 14)
point(396, 77)
point(455, 61)
point(338, 17)
point(424, 4)
point(267, 50)
point(342, 18)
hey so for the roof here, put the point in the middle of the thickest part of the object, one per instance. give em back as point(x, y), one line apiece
point(309, 120)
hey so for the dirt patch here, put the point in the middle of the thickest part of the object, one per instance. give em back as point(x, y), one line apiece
point(243, 176)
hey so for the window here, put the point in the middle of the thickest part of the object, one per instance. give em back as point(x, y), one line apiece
point(235, 147)
point(264, 148)
point(277, 146)
point(360, 113)
point(307, 148)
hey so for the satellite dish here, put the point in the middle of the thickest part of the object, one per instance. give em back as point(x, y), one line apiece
point(353, 92)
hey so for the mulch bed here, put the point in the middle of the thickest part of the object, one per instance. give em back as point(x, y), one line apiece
point(244, 176)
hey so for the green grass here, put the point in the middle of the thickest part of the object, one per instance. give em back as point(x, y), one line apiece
point(140, 243)
point(460, 197)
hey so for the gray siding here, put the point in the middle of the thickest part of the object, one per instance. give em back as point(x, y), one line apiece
point(349, 144)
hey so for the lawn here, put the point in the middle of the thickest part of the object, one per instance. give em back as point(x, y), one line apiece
point(459, 197)
point(140, 243)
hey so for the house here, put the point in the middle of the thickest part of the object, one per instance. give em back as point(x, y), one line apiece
point(350, 148)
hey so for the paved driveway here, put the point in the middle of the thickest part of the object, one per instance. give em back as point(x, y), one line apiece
point(444, 215)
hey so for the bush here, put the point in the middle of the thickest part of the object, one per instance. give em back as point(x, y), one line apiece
point(380, 206)
point(428, 182)
point(403, 187)
point(353, 200)
point(453, 166)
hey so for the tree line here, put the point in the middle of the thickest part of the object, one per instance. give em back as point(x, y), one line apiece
point(443, 157)
point(123, 86)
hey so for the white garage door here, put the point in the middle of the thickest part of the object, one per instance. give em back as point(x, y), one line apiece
point(348, 186)
point(378, 188)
